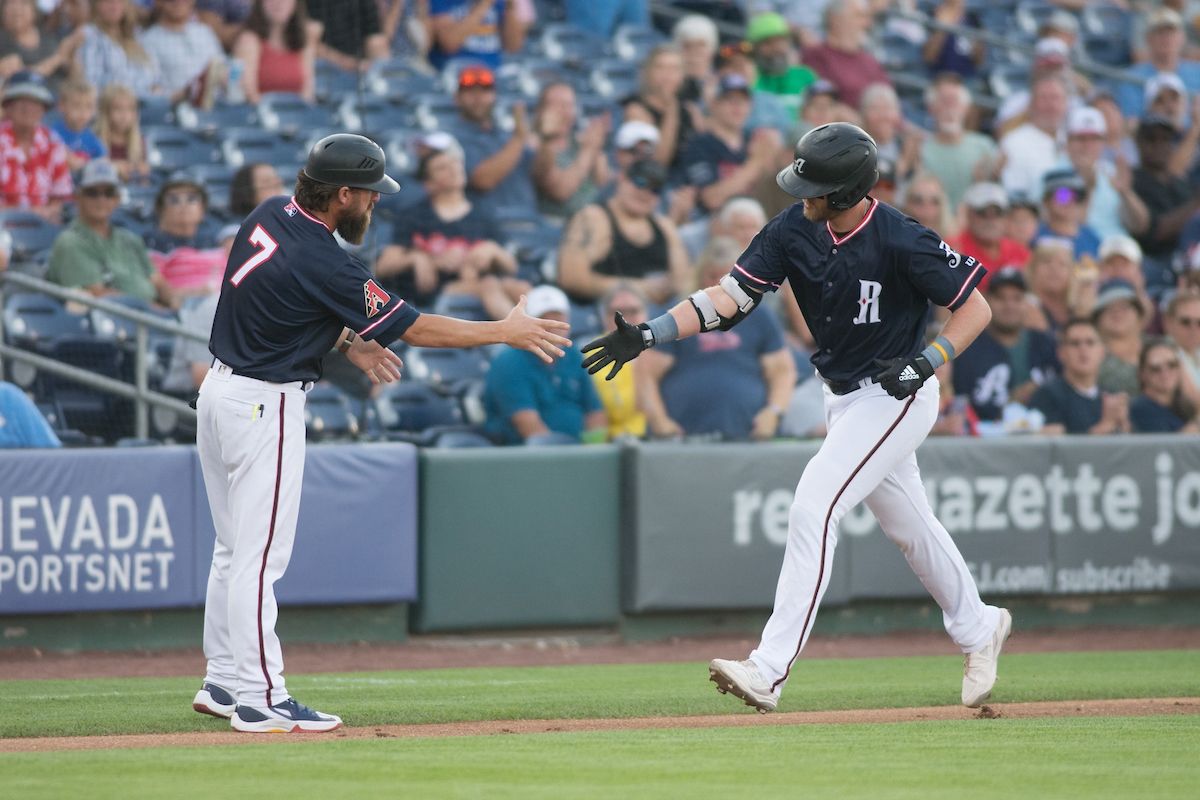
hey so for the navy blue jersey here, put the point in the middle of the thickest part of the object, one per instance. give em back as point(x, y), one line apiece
point(866, 294)
point(288, 291)
point(988, 371)
point(707, 159)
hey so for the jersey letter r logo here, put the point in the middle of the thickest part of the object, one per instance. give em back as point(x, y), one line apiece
point(868, 302)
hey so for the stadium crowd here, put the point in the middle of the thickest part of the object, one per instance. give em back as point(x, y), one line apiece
point(598, 158)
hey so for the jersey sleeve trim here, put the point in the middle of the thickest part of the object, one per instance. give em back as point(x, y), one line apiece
point(969, 284)
point(755, 278)
point(300, 208)
point(376, 323)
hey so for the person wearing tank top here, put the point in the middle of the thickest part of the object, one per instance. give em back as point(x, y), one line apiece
point(623, 240)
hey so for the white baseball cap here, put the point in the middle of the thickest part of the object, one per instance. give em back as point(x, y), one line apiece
point(1164, 80)
point(545, 299)
point(984, 195)
point(1049, 48)
point(1119, 244)
point(634, 132)
point(1086, 120)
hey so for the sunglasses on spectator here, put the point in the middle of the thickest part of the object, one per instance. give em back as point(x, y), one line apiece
point(736, 49)
point(1082, 342)
point(1163, 366)
point(1063, 196)
point(646, 182)
point(988, 212)
point(477, 78)
point(1189, 322)
point(99, 191)
point(923, 199)
point(182, 199)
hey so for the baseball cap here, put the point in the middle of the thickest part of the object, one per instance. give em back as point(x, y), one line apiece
point(1063, 21)
point(476, 77)
point(1114, 290)
point(27, 83)
point(1164, 18)
point(1086, 121)
point(820, 86)
point(1056, 180)
point(1023, 200)
point(1050, 50)
point(1007, 276)
point(1120, 244)
point(646, 173)
point(545, 299)
point(180, 177)
point(1151, 121)
point(733, 82)
point(1161, 81)
point(634, 132)
point(99, 172)
point(767, 25)
point(985, 195)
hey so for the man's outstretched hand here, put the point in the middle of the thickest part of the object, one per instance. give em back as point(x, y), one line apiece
point(617, 348)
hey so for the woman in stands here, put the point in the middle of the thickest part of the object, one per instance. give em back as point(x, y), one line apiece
point(111, 51)
point(658, 103)
point(1051, 276)
point(924, 199)
point(277, 48)
point(120, 132)
point(25, 45)
point(1162, 406)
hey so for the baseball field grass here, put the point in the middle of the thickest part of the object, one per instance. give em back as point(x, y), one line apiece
point(1137, 756)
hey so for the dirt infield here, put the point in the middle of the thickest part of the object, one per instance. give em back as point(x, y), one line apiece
point(562, 649)
point(1085, 708)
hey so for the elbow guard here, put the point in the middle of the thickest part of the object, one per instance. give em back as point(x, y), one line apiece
point(706, 311)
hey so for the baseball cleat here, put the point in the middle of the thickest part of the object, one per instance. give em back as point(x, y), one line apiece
point(979, 668)
point(286, 717)
point(215, 701)
point(742, 679)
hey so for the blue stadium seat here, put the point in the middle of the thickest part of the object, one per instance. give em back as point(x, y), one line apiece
point(399, 145)
point(460, 306)
point(216, 178)
point(1006, 79)
point(585, 321)
point(290, 114)
point(328, 414)
point(242, 145)
point(1032, 14)
point(169, 149)
point(416, 406)
point(85, 409)
point(373, 114)
point(571, 45)
point(896, 51)
point(437, 112)
point(634, 43)
point(449, 368)
point(1099, 19)
point(399, 79)
point(457, 439)
point(535, 72)
point(32, 236)
point(32, 319)
point(220, 116)
point(333, 83)
point(615, 79)
point(154, 111)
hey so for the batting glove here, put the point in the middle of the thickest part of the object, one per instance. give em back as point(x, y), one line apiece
point(617, 348)
point(902, 377)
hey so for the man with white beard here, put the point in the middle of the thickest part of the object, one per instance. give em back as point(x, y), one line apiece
point(957, 156)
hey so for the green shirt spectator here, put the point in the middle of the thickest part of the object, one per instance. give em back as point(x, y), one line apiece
point(779, 70)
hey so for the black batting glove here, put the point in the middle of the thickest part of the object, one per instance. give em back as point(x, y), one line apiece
point(902, 377)
point(617, 348)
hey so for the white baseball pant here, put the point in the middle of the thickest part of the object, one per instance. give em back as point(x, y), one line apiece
point(250, 437)
point(869, 454)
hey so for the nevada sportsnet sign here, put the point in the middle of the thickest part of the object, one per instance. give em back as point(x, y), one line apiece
point(92, 530)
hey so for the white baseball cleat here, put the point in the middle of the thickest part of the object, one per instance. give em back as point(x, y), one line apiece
point(979, 669)
point(286, 717)
point(742, 679)
point(214, 700)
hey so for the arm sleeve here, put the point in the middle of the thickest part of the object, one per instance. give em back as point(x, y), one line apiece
point(941, 273)
point(364, 306)
point(763, 264)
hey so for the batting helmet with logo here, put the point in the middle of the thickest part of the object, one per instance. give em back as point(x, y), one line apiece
point(347, 159)
point(837, 161)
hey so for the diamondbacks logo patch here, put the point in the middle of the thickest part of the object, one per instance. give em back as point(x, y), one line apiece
point(374, 298)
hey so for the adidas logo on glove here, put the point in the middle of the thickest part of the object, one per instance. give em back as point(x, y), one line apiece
point(909, 374)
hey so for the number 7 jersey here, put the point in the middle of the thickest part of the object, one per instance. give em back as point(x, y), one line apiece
point(288, 291)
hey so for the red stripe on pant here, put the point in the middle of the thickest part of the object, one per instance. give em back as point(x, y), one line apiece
point(812, 606)
point(262, 571)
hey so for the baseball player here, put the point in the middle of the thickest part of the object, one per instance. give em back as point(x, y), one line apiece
point(290, 294)
point(864, 276)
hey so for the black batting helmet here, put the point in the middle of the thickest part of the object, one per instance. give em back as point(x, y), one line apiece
point(837, 161)
point(347, 159)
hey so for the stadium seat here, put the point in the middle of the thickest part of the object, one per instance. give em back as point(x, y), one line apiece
point(634, 42)
point(1032, 14)
point(437, 112)
point(399, 146)
point(154, 111)
point(211, 121)
point(535, 72)
point(373, 114)
point(571, 45)
point(415, 406)
point(290, 114)
point(92, 411)
point(1006, 79)
point(456, 439)
point(898, 52)
point(585, 320)
point(450, 368)
point(398, 79)
point(333, 83)
point(615, 79)
point(460, 306)
point(169, 149)
point(216, 178)
point(1112, 51)
point(328, 414)
point(32, 236)
point(32, 319)
point(243, 145)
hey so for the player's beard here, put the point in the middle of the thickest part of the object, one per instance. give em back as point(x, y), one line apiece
point(816, 209)
point(353, 227)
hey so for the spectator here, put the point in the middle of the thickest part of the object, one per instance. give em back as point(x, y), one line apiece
point(657, 102)
point(1169, 199)
point(1118, 144)
point(352, 32)
point(724, 161)
point(479, 30)
point(957, 156)
point(190, 360)
point(634, 141)
point(924, 199)
point(407, 27)
point(569, 167)
point(985, 236)
point(445, 244)
point(1052, 59)
point(1064, 208)
point(112, 51)
point(27, 45)
point(277, 50)
point(1032, 148)
point(1119, 317)
point(1165, 40)
point(499, 167)
point(622, 406)
point(252, 184)
point(533, 402)
point(739, 219)
point(21, 423)
point(843, 57)
point(77, 108)
point(898, 143)
point(603, 17)
point(1072, 402)
point(119, 132)
point(1112, 204)
point(1181, 323)
point(186, 50)
point(952, 52)
point(1167, 97)
point(1008, 361)
point(623, 239)
point(33, 160)
point(1162, 406)
point(1120, 259)
point(1024, 218)
point(697, 39)
point(182, 249)
point(780, 72)
point(752, 363)
point(821, 107)
point(1050, 284)
point(767, 110)
point(94, 255)
point(225, 17)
